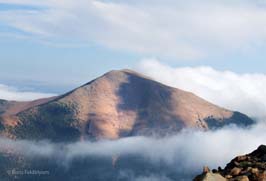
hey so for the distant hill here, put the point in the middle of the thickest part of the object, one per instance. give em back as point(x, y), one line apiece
point(118, 104)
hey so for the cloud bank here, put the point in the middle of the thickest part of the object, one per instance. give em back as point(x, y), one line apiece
point(185, 152)
point(11, 93)
point(240, 92)
point(167, 28)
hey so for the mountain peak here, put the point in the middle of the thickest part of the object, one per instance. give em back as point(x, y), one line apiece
point(122, 71)
point(128, 72)
point(118, 104)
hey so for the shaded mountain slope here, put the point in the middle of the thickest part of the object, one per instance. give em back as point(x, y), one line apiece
point(118, 104)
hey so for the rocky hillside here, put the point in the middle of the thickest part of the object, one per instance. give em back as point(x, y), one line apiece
point(117, 104)
point(250, 167)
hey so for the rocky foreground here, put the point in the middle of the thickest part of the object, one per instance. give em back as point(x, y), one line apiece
point(250, 167)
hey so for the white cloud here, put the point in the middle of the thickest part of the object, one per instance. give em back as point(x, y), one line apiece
point(178, 149)
point(11, 93)
point(193, 149)
point(167, 28)
point(241, 92)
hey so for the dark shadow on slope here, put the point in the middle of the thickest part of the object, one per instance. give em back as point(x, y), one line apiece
point(3, 106)
point(238, 119)
point(51, 121)
point(152, 103)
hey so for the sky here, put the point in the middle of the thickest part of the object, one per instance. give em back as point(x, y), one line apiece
point(53, 46)
point(212, 48)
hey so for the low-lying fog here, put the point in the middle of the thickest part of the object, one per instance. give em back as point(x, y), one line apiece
point(187, 151)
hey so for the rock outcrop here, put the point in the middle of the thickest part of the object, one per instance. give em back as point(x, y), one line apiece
point(250, 167)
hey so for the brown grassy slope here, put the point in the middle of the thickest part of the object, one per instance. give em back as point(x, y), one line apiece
point(125, 103)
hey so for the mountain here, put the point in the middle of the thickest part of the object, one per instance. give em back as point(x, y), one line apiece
point(117, 104)
point(242, 168)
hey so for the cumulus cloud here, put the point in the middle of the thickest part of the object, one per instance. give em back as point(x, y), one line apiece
point(167, 28)
point(185, 152)
point(11, 93)
point(240, 92)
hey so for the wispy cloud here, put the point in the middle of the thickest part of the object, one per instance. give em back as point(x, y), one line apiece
point(167, 28)
point(184, 153)
point(241, 92)
point(11, 93)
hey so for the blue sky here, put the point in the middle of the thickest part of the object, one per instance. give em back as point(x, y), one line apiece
point(55, 46)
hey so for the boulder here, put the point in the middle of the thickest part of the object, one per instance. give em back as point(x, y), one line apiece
point(235, 171)
point(241, 178)
point(210, 177)
point(242, 168)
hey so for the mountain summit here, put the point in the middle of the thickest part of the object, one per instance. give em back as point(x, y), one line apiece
point(117, 104)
